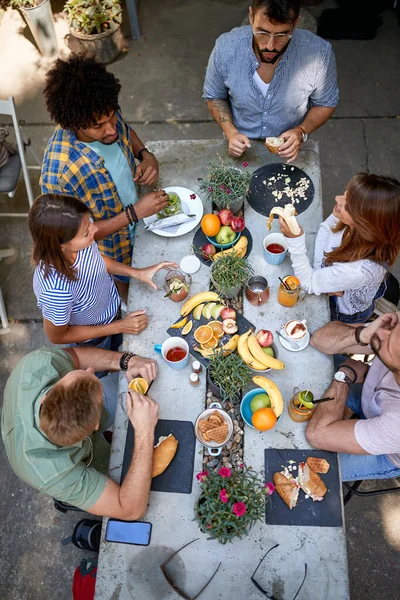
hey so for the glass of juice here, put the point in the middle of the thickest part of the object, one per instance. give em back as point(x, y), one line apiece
point(177, 285)
point(288, 294)
point(301, 406)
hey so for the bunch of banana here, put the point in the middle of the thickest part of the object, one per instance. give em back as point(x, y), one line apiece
point(273, 392)
point(240, 248)
point(192, 302)
point(253, 356)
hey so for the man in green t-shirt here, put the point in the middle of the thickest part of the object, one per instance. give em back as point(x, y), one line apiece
point(53, 414)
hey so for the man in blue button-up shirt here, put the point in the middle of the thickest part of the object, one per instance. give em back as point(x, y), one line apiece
point(270, 79)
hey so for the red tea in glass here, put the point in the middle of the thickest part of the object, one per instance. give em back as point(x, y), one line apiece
point(176, 354)
point(275, 248)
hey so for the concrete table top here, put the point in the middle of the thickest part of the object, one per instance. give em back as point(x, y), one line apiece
point(132, 572)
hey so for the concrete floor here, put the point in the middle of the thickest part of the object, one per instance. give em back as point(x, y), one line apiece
point(162, 77)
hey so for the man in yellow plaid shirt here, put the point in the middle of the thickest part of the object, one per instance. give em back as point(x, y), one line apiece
point(92, 152)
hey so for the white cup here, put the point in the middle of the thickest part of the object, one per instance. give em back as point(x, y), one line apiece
point(173, 342)
point(295, 332)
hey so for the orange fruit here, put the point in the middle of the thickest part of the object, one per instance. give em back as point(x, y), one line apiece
point(203, 334)
point(292, 282)
point(216, 326)
point(139, 385)
point(213, 343)
point(210, 225)
point(263, 419)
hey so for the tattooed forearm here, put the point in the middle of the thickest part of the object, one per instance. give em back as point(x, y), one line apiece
point(220, 110)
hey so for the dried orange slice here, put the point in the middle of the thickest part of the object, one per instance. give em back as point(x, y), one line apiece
point(139, 385)
point(292, 282)
point(213, 343)
point(203, 334)
point(216, 326)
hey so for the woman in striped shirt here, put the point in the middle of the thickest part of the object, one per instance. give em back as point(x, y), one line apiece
point(73, 282)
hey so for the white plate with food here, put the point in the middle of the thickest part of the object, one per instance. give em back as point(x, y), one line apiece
point(191, 204)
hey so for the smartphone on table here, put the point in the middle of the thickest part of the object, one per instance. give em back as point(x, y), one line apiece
point(128, 532)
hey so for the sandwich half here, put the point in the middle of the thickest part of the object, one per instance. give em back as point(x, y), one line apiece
point(318, 465)
point(311, 483)
point(288, 489)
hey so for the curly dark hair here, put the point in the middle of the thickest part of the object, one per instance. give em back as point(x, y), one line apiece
point(78, 91)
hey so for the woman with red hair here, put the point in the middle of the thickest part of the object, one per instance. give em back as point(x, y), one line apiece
point(353, 249)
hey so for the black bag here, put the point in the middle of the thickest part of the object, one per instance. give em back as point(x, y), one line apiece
point(86, 535)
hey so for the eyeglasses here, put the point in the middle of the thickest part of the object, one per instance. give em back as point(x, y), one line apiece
point(260, 589)
point(280, 38)
point(168, 577)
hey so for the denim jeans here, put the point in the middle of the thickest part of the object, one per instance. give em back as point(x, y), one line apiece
point(110, 395)
point(364, 466)
point(360, 317)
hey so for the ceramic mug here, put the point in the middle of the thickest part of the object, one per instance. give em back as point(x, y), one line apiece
point(295, 331)
point(169, 344)
point(274, 258)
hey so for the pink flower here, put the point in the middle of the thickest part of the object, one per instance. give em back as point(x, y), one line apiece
point(201, 476)
point(228, 191)
point(224, 472)
point(208, 526)
point(210, 189)
point(241, 465)
point(269, 488)
point(245, 164)
point(222, 187)
point(239, 509)
point(223, 497)
point(193, 196)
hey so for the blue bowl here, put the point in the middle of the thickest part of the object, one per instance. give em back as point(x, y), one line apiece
point(245, 405)
point(213, 241)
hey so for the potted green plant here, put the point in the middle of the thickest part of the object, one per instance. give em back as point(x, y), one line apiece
point(39, 18)
point(229, 274)
point(225, 184)
point(227, 376)
point(95, 28)
point(230, 502)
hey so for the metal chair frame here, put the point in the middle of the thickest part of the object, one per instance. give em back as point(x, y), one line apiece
point(353, 490)
point(7, 107)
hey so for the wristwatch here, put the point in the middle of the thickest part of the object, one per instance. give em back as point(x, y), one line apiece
point(304, 134)
point(140, 153)
point(341, 377)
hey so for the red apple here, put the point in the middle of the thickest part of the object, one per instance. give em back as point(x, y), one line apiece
point(228, 313)
point(208, 250)
point(229, 326)
point(264, 338)
point(225, 216)
point(237, 224)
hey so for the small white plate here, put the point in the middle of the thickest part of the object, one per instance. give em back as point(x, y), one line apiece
point(302, 345)
point(190, 206)
point(189, 264)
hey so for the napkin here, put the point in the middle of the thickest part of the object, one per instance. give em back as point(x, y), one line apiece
point(171, 223)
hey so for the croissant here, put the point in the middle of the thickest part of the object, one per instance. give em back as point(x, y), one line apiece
point(164, 452)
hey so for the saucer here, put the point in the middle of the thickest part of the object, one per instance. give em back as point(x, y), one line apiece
point(301, 345)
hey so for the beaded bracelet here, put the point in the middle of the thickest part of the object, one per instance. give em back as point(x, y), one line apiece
point(124, 360)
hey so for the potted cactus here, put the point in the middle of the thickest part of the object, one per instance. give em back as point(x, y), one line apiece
point(39, 18)
point(95, 28)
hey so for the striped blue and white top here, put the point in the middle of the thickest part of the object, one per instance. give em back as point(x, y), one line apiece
point(92, 299)
point(304, 77)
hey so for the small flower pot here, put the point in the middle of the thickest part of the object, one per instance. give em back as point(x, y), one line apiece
point(40, 21)
point(228, 294)
point(216, 390)
point(104, 47)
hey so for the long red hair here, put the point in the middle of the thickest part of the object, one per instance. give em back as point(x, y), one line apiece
point(373, 202)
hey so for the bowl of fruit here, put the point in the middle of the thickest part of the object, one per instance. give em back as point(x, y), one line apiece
point(256, 410)
point(222, 230)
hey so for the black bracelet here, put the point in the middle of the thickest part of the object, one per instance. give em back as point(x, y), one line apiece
point(350, 369)
point(124, 360)
point(133, 213)
point(140, 153)
point(357, 333)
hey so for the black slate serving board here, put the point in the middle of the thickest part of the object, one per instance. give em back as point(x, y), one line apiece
point(260, 195)
point(242, 323)
point(327, 513)
point(178, 476)
point(200, 239)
